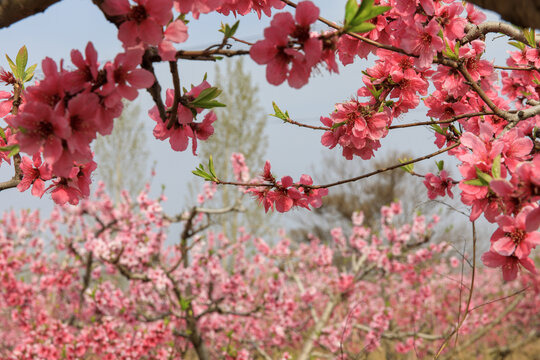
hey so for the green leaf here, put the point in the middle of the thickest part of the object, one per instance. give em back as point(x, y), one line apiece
point(407, 168)
point(206, 98)
point(339, 124)
point(440, 165)
point(438, 129)
point(517, 44)
point(12, 66)
point(21, 60)
point(29, 73)
point(3, 134)
point(496, 167)
point(230, 31)
point(378, 10)
point(485, 178)
point(184, 304)
point(207, 94)
point(530, 36)
point(362, 28)
point(13, 149)
point(211, 167)
point(209, 104)
point(475, 182)
point(350, 10)
point(279, 114)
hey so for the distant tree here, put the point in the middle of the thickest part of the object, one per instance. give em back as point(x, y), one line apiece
point(123, 155)
point(241, 127)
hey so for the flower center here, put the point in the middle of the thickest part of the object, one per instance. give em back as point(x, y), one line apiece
point(517, 236)
point(138, 13)
point(45, 129)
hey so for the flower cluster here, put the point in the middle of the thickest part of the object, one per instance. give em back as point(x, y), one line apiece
point(284, 194)
point(181, 129)
point(148, 23)
point(289, 49)
point(62, 114)
point(357, 127)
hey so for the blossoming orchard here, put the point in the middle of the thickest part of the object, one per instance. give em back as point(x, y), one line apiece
point(98, 280)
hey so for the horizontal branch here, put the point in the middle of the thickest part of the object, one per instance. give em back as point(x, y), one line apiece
point(390, 335)
point(396, 166)
point(447, 121)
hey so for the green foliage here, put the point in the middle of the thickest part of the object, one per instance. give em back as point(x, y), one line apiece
point(208, 175)
point(279, 114)
point(206, 99)
point(407, 168)
point(229, 31)
point(18, 68)
point(357, 15)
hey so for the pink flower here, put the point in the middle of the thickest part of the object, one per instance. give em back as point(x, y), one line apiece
point(34, 173)
point(87, 70)
point(357, 128)
point(424, 42)
point(42, 129)
point(510, 264)
point(277, 50)
point(439, 185)
point(123, 78)
point(7, 104)
point(512, 238)
point(144, 22)
point(176, 32)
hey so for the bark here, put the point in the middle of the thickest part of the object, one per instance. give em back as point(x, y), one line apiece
point(12, 11)
point(524, 13)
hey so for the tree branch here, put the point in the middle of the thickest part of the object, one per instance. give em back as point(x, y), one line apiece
point(525, 13)
point(12, 11)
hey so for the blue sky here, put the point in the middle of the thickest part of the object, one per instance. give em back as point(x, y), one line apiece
point(70, 24)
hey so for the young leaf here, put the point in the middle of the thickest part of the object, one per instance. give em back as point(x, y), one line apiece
point(13, 149)
point(362, 28)
point(475, 182)
point(3, 134)
point(407, 168)
point(350, 11)
point(530, 36)
point(485, 178)
point(279, 114)
point(21, 60)
point(12, 66)
point(211, 167)
point(440, 165)
point(336, 125)
point(517, 44)
point(29, 73)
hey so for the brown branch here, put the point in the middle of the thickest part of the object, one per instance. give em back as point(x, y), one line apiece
point(396, 166)
point(12, 11)
point(478, 31)
point(176, 82)
point(292, 122)
point(447, 121)
point(527, 68)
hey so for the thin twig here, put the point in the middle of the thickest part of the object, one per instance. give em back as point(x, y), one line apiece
point(460, 322)
point(173, 66)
